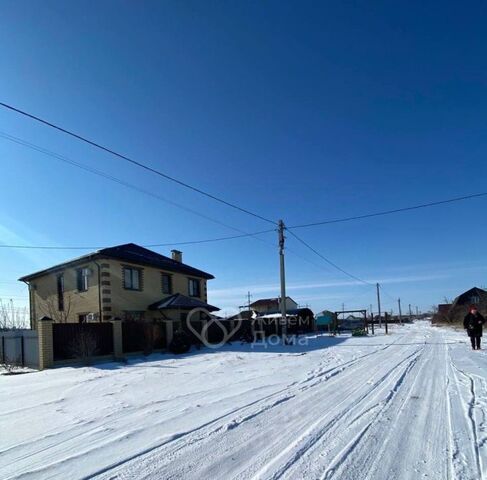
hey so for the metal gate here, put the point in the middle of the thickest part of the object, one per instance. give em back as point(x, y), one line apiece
point(142, 336)
point(75, 340)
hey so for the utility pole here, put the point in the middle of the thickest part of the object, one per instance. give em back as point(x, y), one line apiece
point(248, 300)
point(410, 313)
point(378, 304)
point(283, 279)
point(372, 318)
point(417, 311)
point(400, 312)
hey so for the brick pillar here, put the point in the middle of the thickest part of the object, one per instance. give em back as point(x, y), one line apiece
point(169, 332)
point(117, 338)
point(44, 338)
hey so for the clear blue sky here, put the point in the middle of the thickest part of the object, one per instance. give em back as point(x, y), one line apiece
point(297, 110)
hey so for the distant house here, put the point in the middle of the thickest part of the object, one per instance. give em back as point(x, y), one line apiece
point(455, 311)
point(272, 305)
point(324, 320)
point(474, 296)
point(444, 308)
point(126, 281)
point(442, 314)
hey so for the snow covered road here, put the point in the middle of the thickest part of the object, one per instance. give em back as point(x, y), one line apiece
point(409, 405)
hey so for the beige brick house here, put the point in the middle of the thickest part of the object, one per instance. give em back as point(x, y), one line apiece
point(125, 281)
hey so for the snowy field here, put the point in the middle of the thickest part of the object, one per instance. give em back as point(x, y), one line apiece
point(410, 405)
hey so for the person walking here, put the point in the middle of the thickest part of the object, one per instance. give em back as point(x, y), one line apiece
point(473, 323)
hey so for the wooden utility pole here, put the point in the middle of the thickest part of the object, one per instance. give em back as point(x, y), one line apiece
point(410, 313)
point(400, 312)
point(378, 304)
point(283, 279)
point(372, 318)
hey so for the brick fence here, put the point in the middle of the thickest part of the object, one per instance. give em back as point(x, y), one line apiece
point(47, 347)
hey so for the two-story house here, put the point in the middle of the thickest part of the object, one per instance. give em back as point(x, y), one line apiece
point(125, 281)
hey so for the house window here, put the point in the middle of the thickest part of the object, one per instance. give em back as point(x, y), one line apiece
point(131, 278)
point(193, 287)
point(475, 299)
point(60, 292)
point(82, 275)
point(166, 283)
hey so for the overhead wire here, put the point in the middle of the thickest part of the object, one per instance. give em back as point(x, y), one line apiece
point(327, 260)
point(114, 179)
point(137, 163)
point(389, 212)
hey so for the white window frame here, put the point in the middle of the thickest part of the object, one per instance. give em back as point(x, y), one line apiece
point(131, 281)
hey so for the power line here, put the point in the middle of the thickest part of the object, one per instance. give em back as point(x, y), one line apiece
point(334, 265)
point(244, 234)
point(107, 176)
point(389, 212)
point(134, 162)
point(152, 245)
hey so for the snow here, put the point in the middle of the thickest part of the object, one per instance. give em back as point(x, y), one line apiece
point(409, 405)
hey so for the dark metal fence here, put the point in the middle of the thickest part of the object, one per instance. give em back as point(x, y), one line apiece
point(196, 326)
point(141, 336)
point(75, 340)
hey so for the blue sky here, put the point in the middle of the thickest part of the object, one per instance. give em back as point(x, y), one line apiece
point(304, 111)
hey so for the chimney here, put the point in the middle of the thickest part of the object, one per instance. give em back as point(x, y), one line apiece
point(177, 256)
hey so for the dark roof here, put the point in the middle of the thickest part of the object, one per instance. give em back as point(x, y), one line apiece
point(268, 301)
point(132, 253)
point(464, 298)
point(243, 315)
point(181, 301)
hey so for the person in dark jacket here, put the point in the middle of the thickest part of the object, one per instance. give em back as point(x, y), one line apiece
point(473, 323)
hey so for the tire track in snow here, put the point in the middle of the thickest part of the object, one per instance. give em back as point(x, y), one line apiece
point(314, 435)
point(339, 459)
point(469, 409)
point(180, 442)
point(165, 458)
point(371, 441)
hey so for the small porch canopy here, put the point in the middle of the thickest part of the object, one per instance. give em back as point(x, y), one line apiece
point(181, 302)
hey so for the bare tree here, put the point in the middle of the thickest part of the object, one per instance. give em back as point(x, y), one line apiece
point(12, 317)
point(84, 346)
point(10, 366)
point(50, 308)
